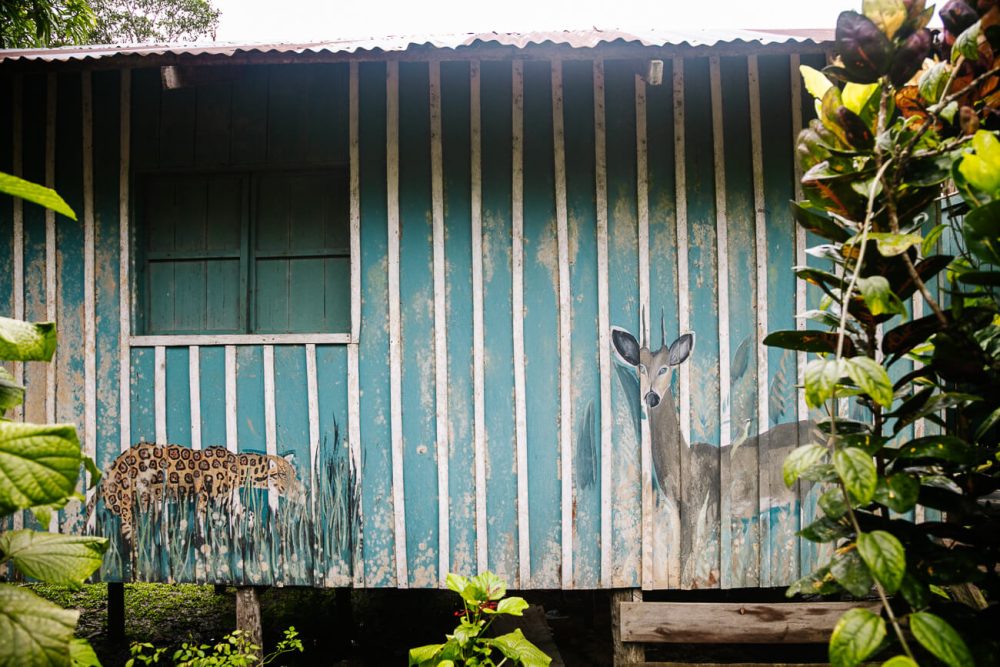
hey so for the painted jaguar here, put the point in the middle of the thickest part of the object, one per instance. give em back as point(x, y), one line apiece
point(142, 474)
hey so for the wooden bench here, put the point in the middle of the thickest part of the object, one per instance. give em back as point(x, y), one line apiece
point(640, 623)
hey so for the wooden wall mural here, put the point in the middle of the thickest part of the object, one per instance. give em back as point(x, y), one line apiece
point(487, 393)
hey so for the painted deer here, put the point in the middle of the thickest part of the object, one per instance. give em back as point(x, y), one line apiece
point(687, 475)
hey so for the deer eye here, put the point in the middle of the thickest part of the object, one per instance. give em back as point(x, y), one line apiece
point(663, 370)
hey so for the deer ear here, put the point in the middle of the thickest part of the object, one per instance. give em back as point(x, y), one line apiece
point(626, 346)
point(680, 349)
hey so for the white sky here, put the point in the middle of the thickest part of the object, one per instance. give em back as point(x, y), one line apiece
point(305, 20)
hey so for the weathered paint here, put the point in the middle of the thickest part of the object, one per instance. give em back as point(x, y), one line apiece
point(560, 172)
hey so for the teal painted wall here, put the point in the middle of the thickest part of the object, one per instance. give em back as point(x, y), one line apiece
point(343, 529)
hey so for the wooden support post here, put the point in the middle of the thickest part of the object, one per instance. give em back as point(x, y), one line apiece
point(116, 611)
point(624, 654)
point(248, 615)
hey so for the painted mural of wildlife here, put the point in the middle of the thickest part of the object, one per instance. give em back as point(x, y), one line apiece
point(143, 475)
point(687, 477)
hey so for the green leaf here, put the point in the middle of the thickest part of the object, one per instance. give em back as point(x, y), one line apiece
point(24, 341)
point(456, 582)
point(82, 654)
point(491, 586)
point(11, 393)
point(818, 582)
point(39, 464)
point(816, 221)
point(821, 377)
point(33, 631)
point(938, 637)
point(898, 492)
point(890, 244)
point(851, 573)
point(808, 341)
point(871, 378)
point(944, 447)
point(833, 503)
point(824, 530)
point(799, 460)
point(879, 297)
point(37, 194)
point(514, 606)
point(967, 44)
point(424, 655)
point(857, 471)
point(928, 245)
point(981, 228)
point(65, 560)
point(899, 661)
point(885, 557)
point(856, 636)
point(815, 81)
point(856, 95)
point(914, 591)
point(888, 15)
point(933, 81)
point(982, 168)
point(515, 646)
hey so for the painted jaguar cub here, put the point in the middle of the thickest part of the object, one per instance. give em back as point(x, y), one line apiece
point(142, 474)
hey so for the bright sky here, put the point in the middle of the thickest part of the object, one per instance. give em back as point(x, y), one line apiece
point(305, 20)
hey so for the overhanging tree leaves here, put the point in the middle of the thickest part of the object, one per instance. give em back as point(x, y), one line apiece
point(905, 117)
point(153, 21)
point(26, 24)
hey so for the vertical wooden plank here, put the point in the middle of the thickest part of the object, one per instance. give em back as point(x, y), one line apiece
point(795, 111)
point(623, 309)
point(232, 426)
point(395, 354)
point(517, 313)
point(738, 467)
point(17, 167)
point(441, 420)
point(683, 275)
point(106, 136)
point(663, 306)
point(578, 103)
point(416, 304)
point(541, 326)
point(374, 368)
point(33, 148)
point(270, 418)
point(124, 257)
point(478, 357)
point(293, 401)
point(211, 389)
point(312, 405)
point(194, 390)
point(603, 318)
point(353, 382)
point(251, 406)
point(456, 141)
point(699, 481)
point(177, 395)
point(160, 394)
point(212, 118)
point(501, 453)
point(338, 494)
point(89, 305)
point(142, 393)
point(780, 291)
point(722, 239)
point(642, 238)
point(177, 127)
point(565, 328)
point(51, 274)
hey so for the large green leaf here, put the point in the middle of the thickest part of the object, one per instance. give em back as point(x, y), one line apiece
point(824, 530)
point(982, 169)
point(821, 376)
point(37, 194)
point(833, 503)
point(515, 646)
point(25, 341)
point(899, 661)
point(855, 637)
point(424, 655)
point(65, 560)
point(33, 631)
point(879, 297)
point(944, 447)
point(801, 459)
point(11, 393)
point(39, 464)
point(938, 637)
point(981, 228)
point(808, 341)
point(967, 44)
point(898, 492)
point(857, 470)
point(456, 582)
point(933, 81)
point(851, 573)
point(871, 378)
point(885, 557)
point(489, 586)
point(514, 606)
point(82, 654)
point(815, 81)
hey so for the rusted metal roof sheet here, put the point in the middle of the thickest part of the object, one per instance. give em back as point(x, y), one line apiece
point(575, 39)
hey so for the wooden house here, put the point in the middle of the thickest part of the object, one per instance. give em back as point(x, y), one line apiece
point(406, 306)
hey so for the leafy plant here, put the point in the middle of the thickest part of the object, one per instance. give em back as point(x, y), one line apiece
point(905, 117)
point(235, 650)
point(39, 468)
point(482, 601)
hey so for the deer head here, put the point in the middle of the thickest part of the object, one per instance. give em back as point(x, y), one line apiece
point(655, 369)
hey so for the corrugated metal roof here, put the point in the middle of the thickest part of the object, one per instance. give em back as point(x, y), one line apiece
point(576, 39)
